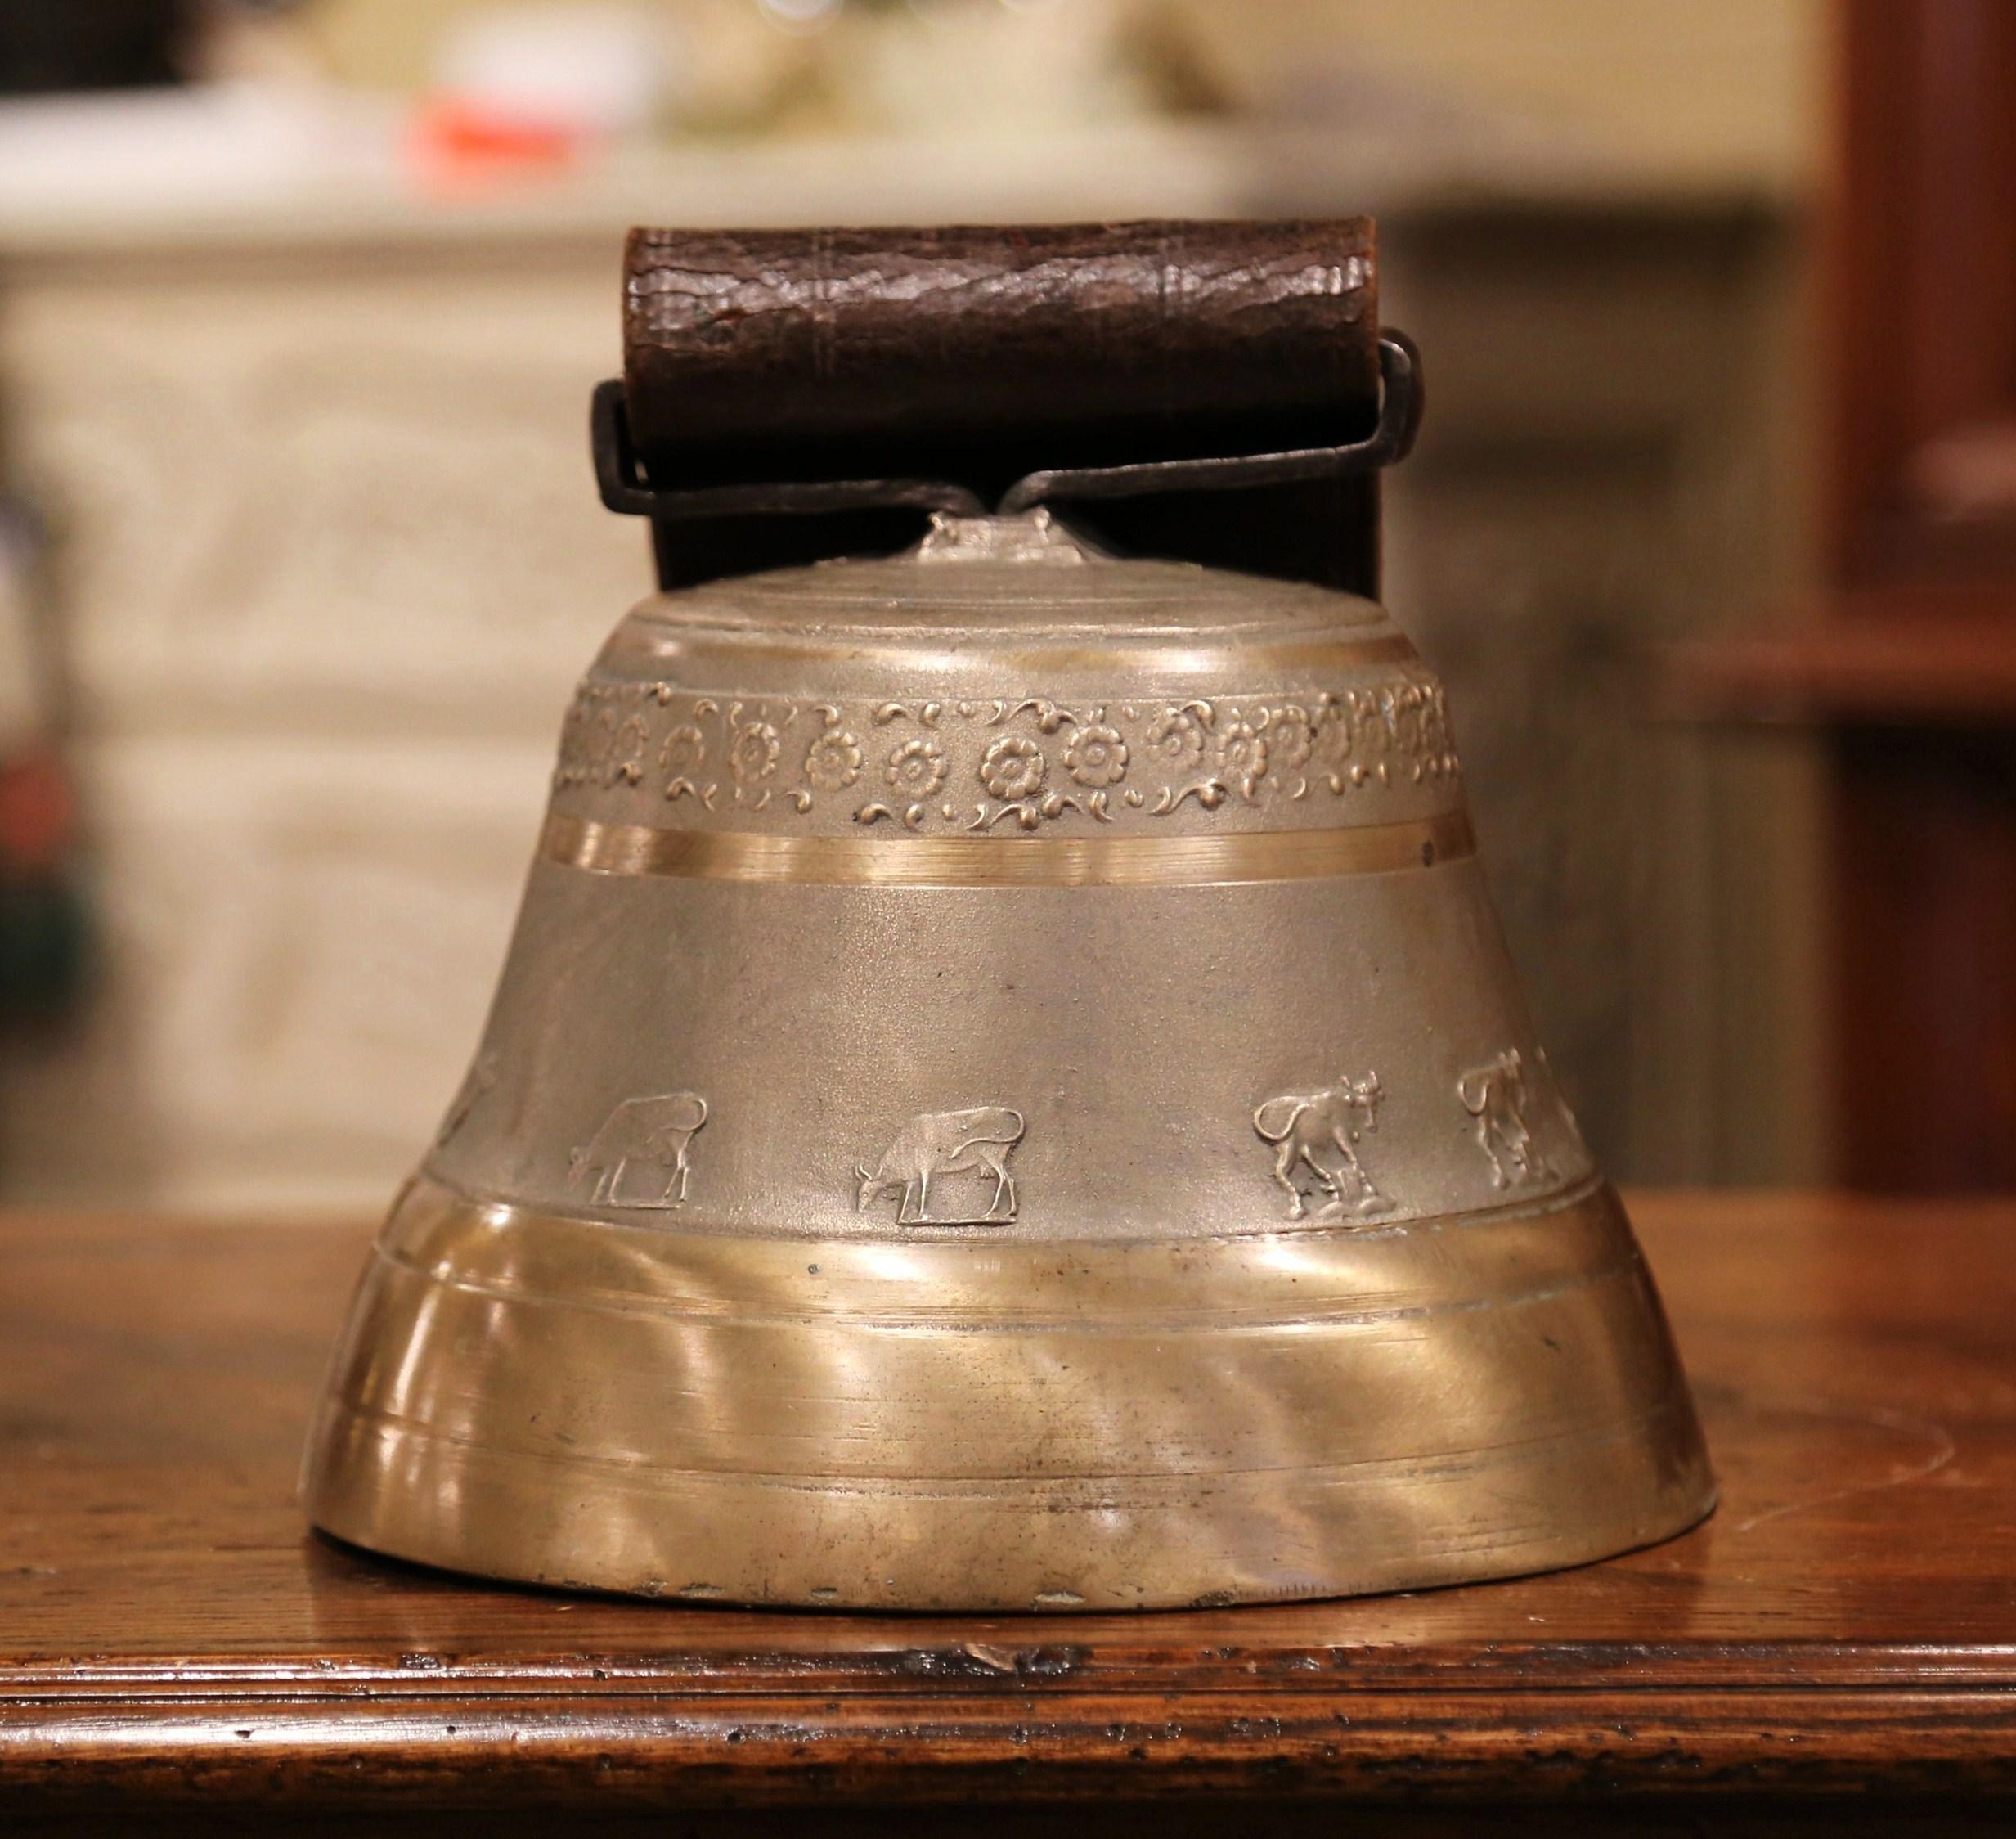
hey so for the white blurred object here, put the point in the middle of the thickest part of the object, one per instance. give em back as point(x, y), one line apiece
point(975, 67)
point(800, 16)
point(600, 71)
point(213, 147)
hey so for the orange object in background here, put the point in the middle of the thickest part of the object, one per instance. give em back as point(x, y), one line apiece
point(454, 143)
point(37, 813)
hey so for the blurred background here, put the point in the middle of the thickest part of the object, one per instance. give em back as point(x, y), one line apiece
point(1712, 530)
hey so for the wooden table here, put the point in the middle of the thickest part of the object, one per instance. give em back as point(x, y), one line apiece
point(1840, 1639)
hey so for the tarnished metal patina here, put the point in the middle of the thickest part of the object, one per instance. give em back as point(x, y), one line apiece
point(1007, 1093)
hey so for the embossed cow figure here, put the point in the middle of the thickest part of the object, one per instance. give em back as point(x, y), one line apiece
point(1318, 1130)
point(638, 1158)
point(1496, 1096)
point(941, 1143)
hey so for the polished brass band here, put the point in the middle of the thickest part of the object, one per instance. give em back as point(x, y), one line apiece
point(995, 1424)
point(1234, 858)
point(869, 653)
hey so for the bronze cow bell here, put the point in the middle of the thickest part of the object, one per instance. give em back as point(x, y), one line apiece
point(1007, 1091)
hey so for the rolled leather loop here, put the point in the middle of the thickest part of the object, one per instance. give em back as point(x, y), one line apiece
point(976, 356)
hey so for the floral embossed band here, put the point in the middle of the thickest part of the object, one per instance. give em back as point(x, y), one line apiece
point(974, 764)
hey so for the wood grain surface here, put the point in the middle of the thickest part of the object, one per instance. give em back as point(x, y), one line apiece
point(172, 1638)
point(1917, 530)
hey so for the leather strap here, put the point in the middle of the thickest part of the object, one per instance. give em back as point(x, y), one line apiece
point(976, 356)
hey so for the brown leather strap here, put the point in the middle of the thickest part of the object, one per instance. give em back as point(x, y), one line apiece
point(978, 356)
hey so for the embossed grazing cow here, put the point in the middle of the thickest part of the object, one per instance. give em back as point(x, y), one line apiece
point(937, 1143)
point(1496, 1096)
point(1316, 1131)
point(649, 1133)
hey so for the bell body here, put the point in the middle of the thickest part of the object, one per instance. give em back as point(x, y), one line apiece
point(1007, 1093)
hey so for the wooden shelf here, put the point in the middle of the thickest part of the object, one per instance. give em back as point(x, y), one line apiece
point(177, 1648)
point(1906, 667)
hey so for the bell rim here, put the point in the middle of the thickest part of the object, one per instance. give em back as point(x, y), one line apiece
point(1539, 1470)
